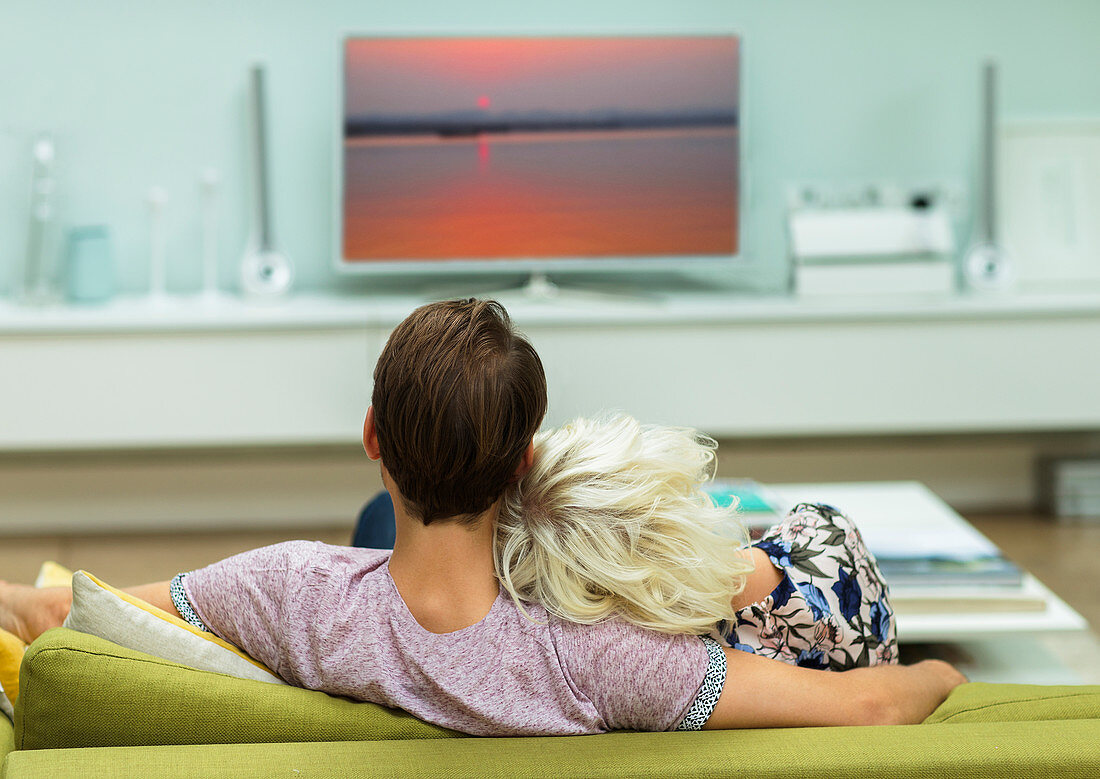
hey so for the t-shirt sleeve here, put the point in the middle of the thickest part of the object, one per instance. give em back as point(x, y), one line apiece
point(639, 679)
point(242, 598)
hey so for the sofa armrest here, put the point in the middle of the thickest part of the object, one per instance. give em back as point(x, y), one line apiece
point(7, 736)
point(78, 690)
point(982, 702)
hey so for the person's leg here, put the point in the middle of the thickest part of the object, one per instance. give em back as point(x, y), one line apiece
point(375, 528)
point(28, 612)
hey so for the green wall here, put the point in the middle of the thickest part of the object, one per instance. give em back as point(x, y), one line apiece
point(840, 92)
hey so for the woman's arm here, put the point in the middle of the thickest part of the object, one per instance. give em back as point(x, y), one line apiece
point(763, 693)
point(764, 578)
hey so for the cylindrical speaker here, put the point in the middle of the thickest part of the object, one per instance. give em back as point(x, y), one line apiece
point(986, 266)
point(265, 271)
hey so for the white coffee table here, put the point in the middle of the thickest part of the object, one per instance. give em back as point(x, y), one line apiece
point(1004, 646)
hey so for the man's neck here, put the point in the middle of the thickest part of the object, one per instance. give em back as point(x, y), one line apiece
point(444, 571)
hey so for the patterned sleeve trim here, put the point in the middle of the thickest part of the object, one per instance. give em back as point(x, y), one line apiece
point(707, 697)
point(183, 605)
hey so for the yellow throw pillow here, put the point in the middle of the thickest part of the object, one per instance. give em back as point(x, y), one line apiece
point(11, 655)
point(53, 575)
point(119, 617)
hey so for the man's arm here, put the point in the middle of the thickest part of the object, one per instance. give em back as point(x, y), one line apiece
point(29, 612)
point(157, 594)
point(763, 693)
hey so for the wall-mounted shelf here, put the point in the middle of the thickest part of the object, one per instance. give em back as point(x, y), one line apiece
point(319, 311)
point(134, 375)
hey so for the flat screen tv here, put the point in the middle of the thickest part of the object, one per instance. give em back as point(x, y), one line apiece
point(538, 153)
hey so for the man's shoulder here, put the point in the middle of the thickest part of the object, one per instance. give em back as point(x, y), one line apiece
point(310, 550)
point(615, 637)
point(318, 560)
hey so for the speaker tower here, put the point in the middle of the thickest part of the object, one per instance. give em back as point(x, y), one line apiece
point(986, 266)
point(265, 271)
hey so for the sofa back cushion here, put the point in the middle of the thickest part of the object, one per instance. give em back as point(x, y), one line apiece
point(79, 690)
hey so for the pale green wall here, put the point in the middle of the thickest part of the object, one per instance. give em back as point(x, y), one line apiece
point(149, 92)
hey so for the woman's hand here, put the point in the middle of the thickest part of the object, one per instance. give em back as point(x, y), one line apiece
point(764, 693)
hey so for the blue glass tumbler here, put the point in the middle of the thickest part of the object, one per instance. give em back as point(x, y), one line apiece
point(89, 273)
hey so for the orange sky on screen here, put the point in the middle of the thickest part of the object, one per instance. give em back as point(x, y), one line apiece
point(403, 74)
point(504, 58)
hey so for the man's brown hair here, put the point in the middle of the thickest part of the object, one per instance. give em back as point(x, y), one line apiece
point(458, 393)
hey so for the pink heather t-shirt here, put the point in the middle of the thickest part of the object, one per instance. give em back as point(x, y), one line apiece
point(330, 618)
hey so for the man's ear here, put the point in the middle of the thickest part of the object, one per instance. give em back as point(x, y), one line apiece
point(526, 461)
point(370, 436)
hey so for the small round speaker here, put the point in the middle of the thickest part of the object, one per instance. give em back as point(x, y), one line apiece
point(266, 274)
point(987, 268)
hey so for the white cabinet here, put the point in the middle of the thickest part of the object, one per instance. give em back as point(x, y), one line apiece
point(130, 376)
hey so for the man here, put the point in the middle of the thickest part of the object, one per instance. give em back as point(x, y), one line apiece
point(458, 395)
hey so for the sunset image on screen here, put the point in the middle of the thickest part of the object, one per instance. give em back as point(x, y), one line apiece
point(518, 148)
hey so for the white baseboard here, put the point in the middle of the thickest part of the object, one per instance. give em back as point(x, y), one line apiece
point(179, 490)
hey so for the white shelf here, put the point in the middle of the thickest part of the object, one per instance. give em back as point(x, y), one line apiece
point(313, 311)
point(181, 314)
point(184, 373)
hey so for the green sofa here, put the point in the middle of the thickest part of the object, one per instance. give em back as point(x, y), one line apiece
point(90, 707)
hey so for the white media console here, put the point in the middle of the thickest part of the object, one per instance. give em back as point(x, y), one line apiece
point(132, 375)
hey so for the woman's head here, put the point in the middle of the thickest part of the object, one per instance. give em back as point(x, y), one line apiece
point(612, 520)
point(458, 394)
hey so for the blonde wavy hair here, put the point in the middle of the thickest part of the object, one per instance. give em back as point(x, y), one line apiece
point(612, 521)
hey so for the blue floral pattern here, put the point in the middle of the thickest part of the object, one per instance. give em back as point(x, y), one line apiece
point(815, 599)
point(831, 610)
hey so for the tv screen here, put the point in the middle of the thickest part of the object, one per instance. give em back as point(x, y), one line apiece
point(562, 151)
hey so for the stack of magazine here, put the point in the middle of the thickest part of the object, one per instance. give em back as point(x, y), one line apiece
point(956, 575)
point(960, 585)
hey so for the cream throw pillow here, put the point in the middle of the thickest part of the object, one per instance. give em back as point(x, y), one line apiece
point(119, 617)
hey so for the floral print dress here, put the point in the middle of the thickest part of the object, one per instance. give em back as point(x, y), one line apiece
point(831, 610)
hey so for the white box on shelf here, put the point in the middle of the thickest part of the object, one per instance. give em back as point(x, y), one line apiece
point(820, 233)
point(915, 277)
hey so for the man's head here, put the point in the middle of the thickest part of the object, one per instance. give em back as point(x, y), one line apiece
point(458, 394)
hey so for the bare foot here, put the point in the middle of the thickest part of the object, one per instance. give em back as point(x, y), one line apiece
point(28, 612)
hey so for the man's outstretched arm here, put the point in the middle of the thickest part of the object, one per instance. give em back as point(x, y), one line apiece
point(763, 693)
point(29, 612)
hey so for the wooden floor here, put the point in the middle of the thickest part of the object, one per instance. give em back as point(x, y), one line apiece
point(1064, 556)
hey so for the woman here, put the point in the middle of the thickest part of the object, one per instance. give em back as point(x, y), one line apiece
point(613, 521)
